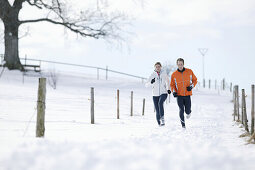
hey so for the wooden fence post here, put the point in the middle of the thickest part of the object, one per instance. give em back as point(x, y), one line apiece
point(244, 111)
point(223, 84)
point(234, 90)
point(118, 104)
point(230, 87)
point(209, 84)
point(242, 106)
point(252, 108)
point(143, 107)
point(234, 101)
point(131, 111)
point(92, 106)
point(237, 103)
point(204, 83)
point(40, 128)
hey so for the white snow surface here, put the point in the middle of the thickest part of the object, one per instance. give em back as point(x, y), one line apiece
point(211, 140)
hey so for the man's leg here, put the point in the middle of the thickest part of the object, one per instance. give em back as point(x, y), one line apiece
point(155, 101)
point(180, 102)
point(162, 99)
point(187, 104)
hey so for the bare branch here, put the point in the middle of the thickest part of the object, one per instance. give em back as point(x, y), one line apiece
point(33, 3)
point(72, 27)
point(95, 23)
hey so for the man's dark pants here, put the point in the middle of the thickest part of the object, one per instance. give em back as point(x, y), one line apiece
point(184, 103)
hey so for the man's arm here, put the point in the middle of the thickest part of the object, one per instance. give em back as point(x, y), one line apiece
point(194, 79)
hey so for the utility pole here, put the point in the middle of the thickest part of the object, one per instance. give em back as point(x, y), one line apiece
point(203, 51)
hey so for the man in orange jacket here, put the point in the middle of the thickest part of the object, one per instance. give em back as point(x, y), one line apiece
point(183, 80)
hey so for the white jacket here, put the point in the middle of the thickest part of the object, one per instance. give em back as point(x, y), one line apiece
point(161, 84)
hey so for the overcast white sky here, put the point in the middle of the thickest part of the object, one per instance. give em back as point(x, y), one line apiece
point(163, 31)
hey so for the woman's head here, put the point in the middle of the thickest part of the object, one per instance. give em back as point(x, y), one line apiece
point(158, 66)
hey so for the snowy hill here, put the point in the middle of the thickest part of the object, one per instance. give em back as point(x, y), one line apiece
point(71, 142)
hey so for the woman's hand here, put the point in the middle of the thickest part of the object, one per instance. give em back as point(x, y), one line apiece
point(153, 81)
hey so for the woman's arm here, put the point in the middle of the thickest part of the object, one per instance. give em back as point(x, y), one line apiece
point(168, 82)
point(173, 85)
point(148, 82)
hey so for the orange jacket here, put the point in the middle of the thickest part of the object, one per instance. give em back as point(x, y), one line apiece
point(181, 80)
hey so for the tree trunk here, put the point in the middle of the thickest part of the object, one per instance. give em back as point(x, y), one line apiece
point(11, 39)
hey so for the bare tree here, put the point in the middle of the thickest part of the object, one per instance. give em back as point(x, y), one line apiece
point(169, 68)
point(93, 22)
point(53, 78)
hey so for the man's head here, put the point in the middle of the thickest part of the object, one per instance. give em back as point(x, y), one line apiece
point(180, 63)
point(158, 66)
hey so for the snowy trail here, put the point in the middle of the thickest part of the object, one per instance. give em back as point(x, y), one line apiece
point(209, 142)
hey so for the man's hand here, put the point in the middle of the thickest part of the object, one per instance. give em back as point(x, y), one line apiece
point(174, 94)
point(169, 91)
point(189, 88)
point(153, 81)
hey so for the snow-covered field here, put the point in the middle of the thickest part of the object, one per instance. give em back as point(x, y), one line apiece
point(130, 143)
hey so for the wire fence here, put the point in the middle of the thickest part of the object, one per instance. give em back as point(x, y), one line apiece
point(101, 105)
point(242, 118)
point(221, 85)
point(106, 69)
point(97, 106)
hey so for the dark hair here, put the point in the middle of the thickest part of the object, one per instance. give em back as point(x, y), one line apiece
point(180, 59)
point(158, 63)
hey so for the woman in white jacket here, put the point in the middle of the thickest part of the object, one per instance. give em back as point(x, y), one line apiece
point(160, 83)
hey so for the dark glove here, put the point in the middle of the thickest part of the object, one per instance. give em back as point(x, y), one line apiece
point(189, 88)
point(153, 81)
point(169, 91)
point(174, 94)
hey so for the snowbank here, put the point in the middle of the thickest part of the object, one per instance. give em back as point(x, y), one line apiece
point(71, 142)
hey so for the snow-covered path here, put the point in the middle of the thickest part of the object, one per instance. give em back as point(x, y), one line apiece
point(209, 142)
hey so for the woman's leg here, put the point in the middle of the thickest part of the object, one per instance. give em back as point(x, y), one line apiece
point(162, 99)
point(155, 101)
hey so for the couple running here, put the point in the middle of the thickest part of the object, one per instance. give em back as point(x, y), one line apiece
point(182, 82)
